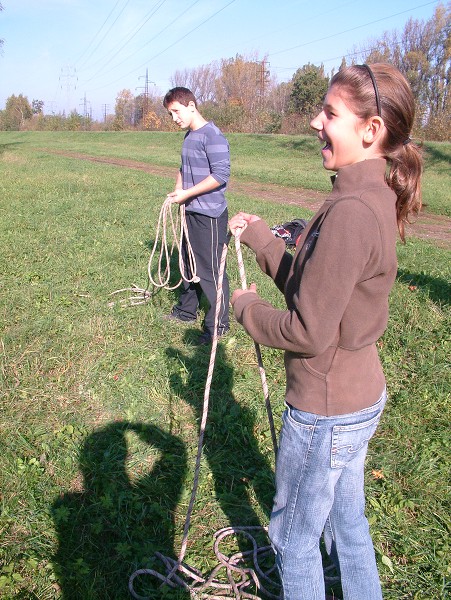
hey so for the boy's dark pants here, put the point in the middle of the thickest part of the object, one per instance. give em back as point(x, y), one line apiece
point(207, 236)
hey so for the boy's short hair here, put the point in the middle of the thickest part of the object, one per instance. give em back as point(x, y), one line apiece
point(179, 94)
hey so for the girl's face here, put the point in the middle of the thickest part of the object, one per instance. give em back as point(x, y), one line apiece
point(342, 131)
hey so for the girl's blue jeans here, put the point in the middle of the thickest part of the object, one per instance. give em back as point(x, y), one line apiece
point(319, 490)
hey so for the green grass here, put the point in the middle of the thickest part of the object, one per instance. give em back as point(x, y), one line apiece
point(291, 161)
point(101, 405)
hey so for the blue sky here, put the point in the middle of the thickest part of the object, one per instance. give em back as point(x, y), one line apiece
point(66, 51)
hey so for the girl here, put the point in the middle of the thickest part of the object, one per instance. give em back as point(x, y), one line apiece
point(336, 289)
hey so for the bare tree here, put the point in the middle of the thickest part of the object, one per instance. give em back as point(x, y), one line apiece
point(278, 98)
point(201, 81)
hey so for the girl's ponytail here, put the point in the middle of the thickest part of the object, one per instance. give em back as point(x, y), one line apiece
point(406, 166)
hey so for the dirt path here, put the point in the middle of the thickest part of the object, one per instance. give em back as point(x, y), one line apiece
point(435, 228)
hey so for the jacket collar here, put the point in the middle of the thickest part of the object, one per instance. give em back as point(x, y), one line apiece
point(360, 175)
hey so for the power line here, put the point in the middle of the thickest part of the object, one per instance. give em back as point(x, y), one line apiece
point(149, 16)
point(105, 108)
point(106, 33)
point(352, 29)
point(304, 20)
point(94, 38)
point(146, 44)
point(168, 47)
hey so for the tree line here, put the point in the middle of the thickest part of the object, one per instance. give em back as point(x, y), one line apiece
point(241, 95)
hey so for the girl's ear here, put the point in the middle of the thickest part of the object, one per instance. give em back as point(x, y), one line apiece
point(373, 130)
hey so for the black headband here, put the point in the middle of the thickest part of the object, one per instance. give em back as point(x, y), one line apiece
point(376, 90)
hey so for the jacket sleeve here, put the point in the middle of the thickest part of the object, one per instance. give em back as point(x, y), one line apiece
point(270, 252)
point(348, 241)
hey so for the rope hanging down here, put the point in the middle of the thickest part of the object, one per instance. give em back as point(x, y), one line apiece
point(163, 254)
point(240, 579)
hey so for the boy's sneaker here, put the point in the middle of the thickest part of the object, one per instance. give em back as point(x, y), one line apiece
point(174, 315)
point(206, 337)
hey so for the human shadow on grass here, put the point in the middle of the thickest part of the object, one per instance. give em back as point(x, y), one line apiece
point(438, 289)
point(115, 525)
point(242, 476)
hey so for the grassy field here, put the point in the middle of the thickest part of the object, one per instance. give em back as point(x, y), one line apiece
point(101, 405)
point(291, 161)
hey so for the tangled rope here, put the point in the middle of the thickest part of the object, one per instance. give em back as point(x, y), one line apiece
point(240, 578)
point(161, 251)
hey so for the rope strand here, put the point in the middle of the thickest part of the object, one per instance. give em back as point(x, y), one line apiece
point(177, 571)
point(162, 254)
point(257, 349)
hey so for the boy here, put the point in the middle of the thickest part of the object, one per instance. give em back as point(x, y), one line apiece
point(200, 185)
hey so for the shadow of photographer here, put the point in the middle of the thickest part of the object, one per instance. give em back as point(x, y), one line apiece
point(117, 523)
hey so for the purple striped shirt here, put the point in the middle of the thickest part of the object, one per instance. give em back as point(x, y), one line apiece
point(205, 152)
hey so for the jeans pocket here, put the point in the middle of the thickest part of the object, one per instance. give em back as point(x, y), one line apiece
point(299, 418)
point(348, 441)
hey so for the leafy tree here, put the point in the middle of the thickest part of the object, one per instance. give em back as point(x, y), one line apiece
point(17, 111)
point(75, 121)
point(124, 110)
point(242, 82)
point(149, 112)
point(309, 86)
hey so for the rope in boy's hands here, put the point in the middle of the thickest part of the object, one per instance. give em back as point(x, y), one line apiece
point(170, 231)
point(178, 196)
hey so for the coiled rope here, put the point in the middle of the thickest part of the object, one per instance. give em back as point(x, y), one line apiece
point(240, 580)
point(163, 251)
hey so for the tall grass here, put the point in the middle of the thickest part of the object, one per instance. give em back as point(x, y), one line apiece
point(101, 405)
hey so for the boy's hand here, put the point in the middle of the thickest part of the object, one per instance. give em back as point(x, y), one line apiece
point(237, 293)
point(178, 196)
point(240, 221)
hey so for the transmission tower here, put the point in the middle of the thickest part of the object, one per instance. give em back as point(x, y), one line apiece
point(105, 108)
point(68, 82)
point(146, 93)
point(263, 77)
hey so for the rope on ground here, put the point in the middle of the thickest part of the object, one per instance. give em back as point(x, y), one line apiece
point(159, 274)
point(240, 579)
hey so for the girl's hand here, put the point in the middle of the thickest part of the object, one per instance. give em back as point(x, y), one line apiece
point(240, 221)
point(237, 293)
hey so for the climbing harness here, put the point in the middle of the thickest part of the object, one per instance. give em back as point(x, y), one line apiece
point(241, 580)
